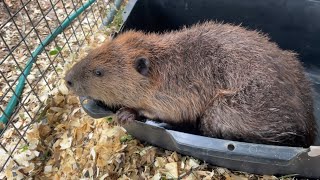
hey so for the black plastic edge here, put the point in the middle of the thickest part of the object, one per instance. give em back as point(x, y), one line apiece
point(252, 158)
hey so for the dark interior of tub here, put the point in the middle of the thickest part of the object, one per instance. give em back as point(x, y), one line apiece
point(293, 24)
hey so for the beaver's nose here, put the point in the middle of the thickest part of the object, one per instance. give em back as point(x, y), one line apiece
point(68, 81)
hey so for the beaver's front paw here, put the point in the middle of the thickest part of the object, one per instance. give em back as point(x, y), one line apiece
point(126, 115)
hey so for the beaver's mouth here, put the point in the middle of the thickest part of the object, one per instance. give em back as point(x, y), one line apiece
point(96, 108)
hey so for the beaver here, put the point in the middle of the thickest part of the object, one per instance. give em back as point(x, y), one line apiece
point(225, 80)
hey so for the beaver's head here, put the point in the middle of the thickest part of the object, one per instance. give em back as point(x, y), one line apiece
point(117, 73)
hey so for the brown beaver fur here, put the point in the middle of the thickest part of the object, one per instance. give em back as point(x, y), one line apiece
point(225, 80)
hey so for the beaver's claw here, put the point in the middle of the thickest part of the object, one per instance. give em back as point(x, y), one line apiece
point(126, 115)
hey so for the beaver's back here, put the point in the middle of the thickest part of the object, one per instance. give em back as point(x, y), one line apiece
point(211, 64)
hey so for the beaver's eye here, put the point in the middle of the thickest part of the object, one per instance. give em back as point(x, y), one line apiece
point(98, 72)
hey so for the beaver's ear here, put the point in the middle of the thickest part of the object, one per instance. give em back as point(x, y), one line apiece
point(142, 65)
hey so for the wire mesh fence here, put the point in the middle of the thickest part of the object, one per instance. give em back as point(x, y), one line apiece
point(24, 27)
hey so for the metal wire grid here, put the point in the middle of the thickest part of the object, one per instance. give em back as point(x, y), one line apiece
point(28, 30)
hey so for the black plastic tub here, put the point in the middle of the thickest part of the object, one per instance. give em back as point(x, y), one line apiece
point(293, 24)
